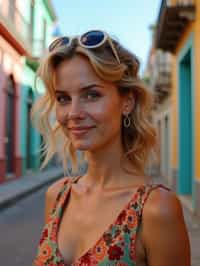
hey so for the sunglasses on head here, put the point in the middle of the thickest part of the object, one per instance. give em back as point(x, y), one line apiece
point(91, 39)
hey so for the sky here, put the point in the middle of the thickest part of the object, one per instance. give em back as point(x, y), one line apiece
point(127, 20)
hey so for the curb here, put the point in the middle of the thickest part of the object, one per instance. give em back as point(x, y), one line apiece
point(15, 190)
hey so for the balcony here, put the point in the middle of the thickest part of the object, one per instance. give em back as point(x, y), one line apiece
point(162, 85)
point(15, 28)
point(161, 77)
point(173, 19)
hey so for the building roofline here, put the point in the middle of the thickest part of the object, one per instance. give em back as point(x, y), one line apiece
point(49, 6)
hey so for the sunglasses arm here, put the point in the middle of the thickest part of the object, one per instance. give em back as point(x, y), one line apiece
point(114, 50)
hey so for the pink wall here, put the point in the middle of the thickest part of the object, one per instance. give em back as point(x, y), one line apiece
point(11, 63)
point(2, 110)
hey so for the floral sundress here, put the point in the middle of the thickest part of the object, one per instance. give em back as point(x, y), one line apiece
point(115, 247)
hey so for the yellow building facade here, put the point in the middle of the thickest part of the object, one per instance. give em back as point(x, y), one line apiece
point(178, 32)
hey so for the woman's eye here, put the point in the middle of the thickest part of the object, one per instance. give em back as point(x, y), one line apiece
point(92, 95)
point(62, 99)
point(88, 96)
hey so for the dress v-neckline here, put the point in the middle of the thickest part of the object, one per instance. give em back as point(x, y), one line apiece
point(66, 194)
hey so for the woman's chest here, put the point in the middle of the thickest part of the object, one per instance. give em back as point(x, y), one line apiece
point(106, 228)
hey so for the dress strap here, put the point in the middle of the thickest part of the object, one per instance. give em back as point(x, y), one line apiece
point(65, 186)
point(145, 192)
point(75, 178)
point(67, 182)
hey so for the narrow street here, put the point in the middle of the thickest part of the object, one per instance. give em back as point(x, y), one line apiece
point(20, 226)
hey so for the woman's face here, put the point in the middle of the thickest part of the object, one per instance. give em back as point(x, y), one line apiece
point(85, 100)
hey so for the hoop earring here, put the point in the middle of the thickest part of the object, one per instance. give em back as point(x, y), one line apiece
point(127, 122)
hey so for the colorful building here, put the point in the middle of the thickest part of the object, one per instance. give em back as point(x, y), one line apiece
point(25, 32)
point(178, 32)
point(42, 17)
point(158, 77)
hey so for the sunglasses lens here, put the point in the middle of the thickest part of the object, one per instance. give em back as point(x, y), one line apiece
point(59, 42)
point(92, 38)
point(65, 41)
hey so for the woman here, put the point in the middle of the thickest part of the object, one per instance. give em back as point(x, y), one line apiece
point(114, 214)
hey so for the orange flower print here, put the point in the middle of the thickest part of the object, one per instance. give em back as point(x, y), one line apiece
point(131, 219)
point(100, 250)
point(49, 219)
point(38, 263)
point(45, 252)
point(54, 228)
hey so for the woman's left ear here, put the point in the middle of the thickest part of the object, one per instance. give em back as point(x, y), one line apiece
point(129, 103)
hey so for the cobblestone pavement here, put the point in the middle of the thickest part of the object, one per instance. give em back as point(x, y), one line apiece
point(193, 225)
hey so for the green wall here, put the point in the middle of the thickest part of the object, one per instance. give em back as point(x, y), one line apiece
point(41, 14)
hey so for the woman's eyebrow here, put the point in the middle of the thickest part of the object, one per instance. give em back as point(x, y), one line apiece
point(85, 88)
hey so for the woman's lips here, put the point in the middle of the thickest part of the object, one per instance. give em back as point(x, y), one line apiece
point(79, 131)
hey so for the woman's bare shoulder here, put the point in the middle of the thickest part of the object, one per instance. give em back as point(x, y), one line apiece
point(163, 227)
point(162, 203)
point(52, 193)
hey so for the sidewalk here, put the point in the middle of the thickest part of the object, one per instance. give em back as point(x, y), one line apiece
point(12, 191)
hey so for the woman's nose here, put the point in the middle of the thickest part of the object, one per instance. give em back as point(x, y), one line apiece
point(75, 109)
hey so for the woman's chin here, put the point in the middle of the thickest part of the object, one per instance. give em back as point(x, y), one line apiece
point(82, 147)
point(85, 146)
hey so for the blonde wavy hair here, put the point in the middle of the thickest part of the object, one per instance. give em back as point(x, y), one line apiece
point(138, 140)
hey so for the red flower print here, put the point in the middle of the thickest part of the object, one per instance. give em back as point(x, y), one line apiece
point(121, 217)
point(49, 219)
point(123, 244)
point(88, 260)
point(44, 236)
point(115, 252)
